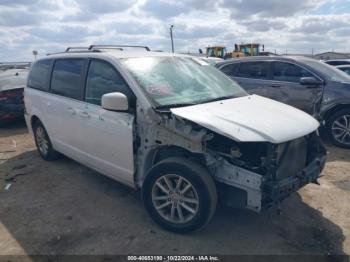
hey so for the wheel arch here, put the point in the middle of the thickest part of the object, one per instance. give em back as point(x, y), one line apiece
point(160, 153)
point(335, 109)
point(33, 120)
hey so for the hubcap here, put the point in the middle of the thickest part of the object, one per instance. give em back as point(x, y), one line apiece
point(42, 141)
point(175, 198)
point(341, 129)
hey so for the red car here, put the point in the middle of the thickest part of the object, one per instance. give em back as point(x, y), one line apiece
point(12, 83)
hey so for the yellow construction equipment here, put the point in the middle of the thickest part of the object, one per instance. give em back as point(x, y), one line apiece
point(241, 50)
point(216, 51)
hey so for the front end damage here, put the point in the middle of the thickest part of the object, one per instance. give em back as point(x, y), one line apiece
point(258, 175)
point(249, 175)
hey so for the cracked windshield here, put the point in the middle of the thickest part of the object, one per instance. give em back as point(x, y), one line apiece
point(179, 81)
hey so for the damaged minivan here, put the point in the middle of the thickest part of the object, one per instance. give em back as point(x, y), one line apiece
point(173, 127)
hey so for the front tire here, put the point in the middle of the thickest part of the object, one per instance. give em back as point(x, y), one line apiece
point(179, 195)
point(338, 128)
point(43, 142)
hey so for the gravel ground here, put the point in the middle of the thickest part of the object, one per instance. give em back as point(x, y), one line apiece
point(62, 207)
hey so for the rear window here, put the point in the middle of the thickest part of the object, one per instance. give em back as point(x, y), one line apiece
point(39, 75)
point(256, 70)
point(230, 69)
point(67, 78)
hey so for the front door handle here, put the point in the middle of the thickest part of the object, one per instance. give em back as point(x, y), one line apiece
point(275, 86)
point(84, 114)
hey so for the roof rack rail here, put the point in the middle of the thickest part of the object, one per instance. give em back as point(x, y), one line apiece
point(119, 47)
point(76, 48)
point(75, 52)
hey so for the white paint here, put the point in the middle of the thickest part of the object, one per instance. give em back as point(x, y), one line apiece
point(251, 118)
point(87, 133)
point(115, 101)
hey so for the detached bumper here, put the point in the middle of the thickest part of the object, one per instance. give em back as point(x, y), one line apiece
point(275, 191)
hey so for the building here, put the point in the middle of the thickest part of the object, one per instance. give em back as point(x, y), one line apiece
point(331, 55)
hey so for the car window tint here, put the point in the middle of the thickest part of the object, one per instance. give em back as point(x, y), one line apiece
point(230, 69)
point(289, 72)
point(67, 77)
point(39, 75)
point(103, 79)
point(256, 70)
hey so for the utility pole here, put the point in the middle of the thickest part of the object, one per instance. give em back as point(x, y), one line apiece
point(171, 37)
point(35, 53)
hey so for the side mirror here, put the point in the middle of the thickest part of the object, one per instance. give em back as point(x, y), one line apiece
point(310, 81)
point(115, 102)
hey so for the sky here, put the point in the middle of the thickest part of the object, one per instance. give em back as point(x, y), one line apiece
point(292, 26)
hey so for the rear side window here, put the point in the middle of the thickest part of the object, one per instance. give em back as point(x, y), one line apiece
point(67, 78)
point(230, 69)
point(103, 79)
point(256, 70)
point(39, 75)
point(289, 72)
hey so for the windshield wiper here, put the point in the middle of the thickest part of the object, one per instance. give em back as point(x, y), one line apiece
point(216, 99)
point(175, 105)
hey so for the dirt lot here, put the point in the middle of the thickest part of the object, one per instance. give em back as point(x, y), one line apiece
point(64, 208)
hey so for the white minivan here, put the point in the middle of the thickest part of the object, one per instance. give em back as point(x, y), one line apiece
point(173, 127)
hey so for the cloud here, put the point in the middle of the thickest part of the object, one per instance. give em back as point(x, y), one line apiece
point(269, 8)
point(322, 24)
point(104, 6)
point(264, 25)
point(51, 25)
point(17, 2)
point(63, 34)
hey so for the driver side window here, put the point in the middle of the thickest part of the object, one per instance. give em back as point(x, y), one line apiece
point(287, 72)
point(103, 79)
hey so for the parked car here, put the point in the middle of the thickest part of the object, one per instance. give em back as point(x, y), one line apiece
point(173, 127)
point(344, 68)
point(12, 83)
point(336, 62)
point(312, 86)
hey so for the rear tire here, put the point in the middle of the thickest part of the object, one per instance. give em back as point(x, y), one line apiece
point(179, 195)
point(338, 128)
point(43, 142)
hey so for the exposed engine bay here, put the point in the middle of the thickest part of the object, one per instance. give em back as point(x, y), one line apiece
point(252, 175)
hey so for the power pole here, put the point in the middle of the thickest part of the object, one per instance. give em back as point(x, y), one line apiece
point(35, 53)
point(171, 37)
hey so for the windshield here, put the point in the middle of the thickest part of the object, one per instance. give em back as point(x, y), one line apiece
point(180, 81)
point(330, 72)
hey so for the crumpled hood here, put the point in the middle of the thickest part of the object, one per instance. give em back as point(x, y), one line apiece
point(251, 119)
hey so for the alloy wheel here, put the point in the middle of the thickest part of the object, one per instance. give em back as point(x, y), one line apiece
point(341, 129)
point(175, 198)
point(41, 138)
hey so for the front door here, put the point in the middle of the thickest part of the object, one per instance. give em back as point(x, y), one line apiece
point(285, 86)
point(107, 136)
